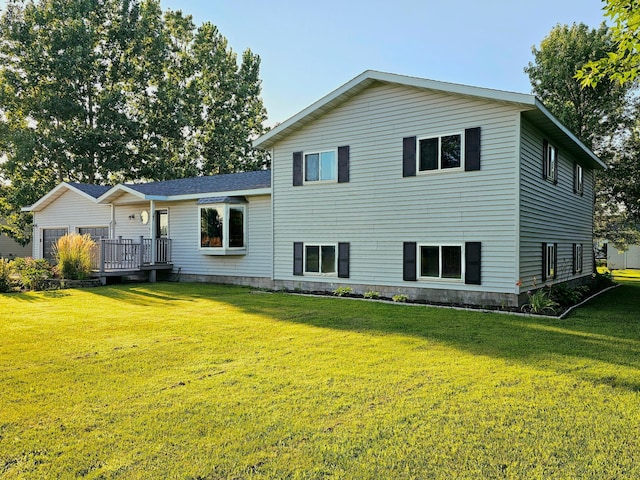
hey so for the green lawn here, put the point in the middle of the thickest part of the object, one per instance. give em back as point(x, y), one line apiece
point(203, 382)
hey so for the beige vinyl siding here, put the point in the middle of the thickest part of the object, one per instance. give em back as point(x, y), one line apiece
point(184, 231)
point(379, 209)
point(9, 248)
point(71, 211)
point(552, 213)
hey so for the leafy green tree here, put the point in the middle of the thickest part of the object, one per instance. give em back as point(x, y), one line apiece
point(594, 115)
point(602, 117)
point(622, 62)
point(231, 107)
point(104, 91)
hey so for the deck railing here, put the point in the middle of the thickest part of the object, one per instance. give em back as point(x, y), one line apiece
point(127, 254)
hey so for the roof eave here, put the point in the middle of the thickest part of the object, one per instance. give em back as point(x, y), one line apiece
point(370, 76)
point(45, 200)
point(597, 162)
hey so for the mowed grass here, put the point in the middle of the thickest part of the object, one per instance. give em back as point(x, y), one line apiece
point(204, 382)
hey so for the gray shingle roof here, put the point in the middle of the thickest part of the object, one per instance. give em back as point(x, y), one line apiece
point(94, 190)
point(216, 183)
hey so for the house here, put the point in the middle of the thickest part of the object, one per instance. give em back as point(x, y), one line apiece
point(443, 192)
point(395, 184)
point(10, 249)
point(211, 228)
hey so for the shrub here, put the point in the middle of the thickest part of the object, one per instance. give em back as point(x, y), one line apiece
point(74, 253)
point(30, 272)
point(371, 294)
point(600, 281)
point(540, 302)
point(342, 291)
point(568, 296)
point(400, 298)
point(5, 279)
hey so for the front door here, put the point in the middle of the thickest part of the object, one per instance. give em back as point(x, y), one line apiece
point(162, 232)
point(162, 224)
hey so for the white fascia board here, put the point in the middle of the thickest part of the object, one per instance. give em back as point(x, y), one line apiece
point(540, 106)
point(230, 193)
point(310, 109)
point(489, 93)
point(55, 192)
point(119, 188)
point(372, 75)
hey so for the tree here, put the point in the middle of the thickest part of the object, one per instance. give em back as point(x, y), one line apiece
point(622, 62)
point(602, 117)
point(595, 115)
point(105, 91)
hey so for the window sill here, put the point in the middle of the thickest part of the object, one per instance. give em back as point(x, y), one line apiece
point(219, 251)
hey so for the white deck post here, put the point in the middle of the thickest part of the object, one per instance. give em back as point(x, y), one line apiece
point(152, 230)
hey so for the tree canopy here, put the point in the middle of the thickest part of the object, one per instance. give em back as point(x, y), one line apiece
point(105, 91)
point(603, 117)
point(621, 63)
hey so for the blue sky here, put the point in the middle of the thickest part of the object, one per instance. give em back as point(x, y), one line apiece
point(309, 48)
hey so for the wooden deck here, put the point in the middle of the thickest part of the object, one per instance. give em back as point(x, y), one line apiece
point(123, 257)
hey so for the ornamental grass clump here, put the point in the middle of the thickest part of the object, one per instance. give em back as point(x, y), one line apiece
point(74, 253)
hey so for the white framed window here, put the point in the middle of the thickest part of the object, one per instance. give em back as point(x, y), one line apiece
point(223, 229)
point(549, 260)
point(440, 262)
point(577, 257)
point(440, 153)
point(95, 233)
point(320, 259)
point(578, 179)
point(321, 166)
point(550, 159)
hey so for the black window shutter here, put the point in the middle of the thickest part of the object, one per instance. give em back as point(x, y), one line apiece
point(545, 152)
point(409, 157)
point(556, 167)
point(555, 260)
point(575, 258)
point(544, 262)
point(343, 260)
point(473, 258)
point(343, 164)
point(409, 261)
point(575, 177)
point(298, 258)
point(472, 149)
point(297, 169)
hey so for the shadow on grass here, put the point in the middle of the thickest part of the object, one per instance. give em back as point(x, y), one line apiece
point(602, 334)
point(139, 294)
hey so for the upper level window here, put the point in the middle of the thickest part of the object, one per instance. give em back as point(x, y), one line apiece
point(223, 229)
point(578, 179)
point(440, 261)
point(320, 166)
point(550, 162)
point(439, 153)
